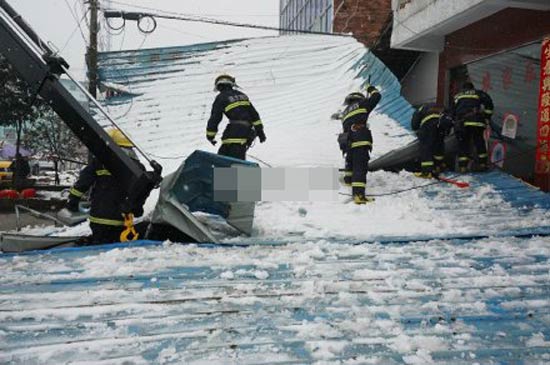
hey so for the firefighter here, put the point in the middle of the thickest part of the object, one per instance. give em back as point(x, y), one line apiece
point(106, 212)
point(472, 111)
point(431, 124)
point(244, 121)
point(356, 139)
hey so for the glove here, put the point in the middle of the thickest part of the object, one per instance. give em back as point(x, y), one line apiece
point(370, 88)
point(211, 140)
point(261, 136)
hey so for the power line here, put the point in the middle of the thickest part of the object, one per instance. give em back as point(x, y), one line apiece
point(183, 14)
point(78, 22)
point(190, 18)
point(72, 35)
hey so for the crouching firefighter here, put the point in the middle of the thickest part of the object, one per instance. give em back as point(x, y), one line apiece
point(471, 120)
point(431, 124)
point(244, 121)
point(356, 140)
point(107, 219)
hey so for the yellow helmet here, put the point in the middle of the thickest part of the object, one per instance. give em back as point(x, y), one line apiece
point(119, 138)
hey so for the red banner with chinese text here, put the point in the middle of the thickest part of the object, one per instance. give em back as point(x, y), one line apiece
point(542, 164)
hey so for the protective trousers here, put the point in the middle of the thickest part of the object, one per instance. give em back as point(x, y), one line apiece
point(357, 159)
point(439, 151)
point(428, 137)
point(472, 135)
point(235, 140)
point(103, 233)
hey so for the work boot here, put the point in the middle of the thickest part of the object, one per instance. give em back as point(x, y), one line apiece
point(482, 167)
point(424, 175)
point(440, 167)
point(361, 199)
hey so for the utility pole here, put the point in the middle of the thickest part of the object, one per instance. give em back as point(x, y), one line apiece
point(91, 54)
point(108, 40)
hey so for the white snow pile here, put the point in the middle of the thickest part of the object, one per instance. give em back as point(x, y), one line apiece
point(296, 83)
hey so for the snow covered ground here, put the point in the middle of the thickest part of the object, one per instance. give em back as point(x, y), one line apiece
point(316, 299)
point(478, 302)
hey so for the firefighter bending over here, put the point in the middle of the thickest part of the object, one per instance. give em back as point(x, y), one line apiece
point(356, 141)
point(106, 213)
point(431, 124)
point(244, 121)
point(471, 120)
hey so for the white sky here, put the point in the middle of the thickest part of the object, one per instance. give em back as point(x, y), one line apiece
point(54, 20)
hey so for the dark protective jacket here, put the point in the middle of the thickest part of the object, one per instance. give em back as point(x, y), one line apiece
point(237, 108)
point(106, 196)
point(467, 108)
point(358, 113)
point(424, 114)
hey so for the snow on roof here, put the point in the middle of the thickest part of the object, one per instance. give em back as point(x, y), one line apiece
point(295, 82)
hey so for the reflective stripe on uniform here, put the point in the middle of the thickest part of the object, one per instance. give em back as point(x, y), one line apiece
point(466, 96)
point(257, 123)
point(360, 144)
point(103, 172)
point(237, 104)
point(355, 112)
point(483, 155)
point(463, 158)
point(428, 117)
point(358, 185)
point(488, 111)
point(474, 124)
point(348, 173)
point(106, 222)
point(211, 133)
point(427, 163)
point(76, 192)
point(438, 157)
point(234, 141)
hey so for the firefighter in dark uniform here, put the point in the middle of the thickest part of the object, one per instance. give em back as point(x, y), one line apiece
point(244, 121)
point(357, 139)
point(431, 124)
point(472, 111)
point(106, 216)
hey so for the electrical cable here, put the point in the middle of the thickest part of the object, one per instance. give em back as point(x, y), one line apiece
point(75, 17)
point(111, 27)
point(182, 32)
point(72, 35)
point(144, 30)
point(184, 17)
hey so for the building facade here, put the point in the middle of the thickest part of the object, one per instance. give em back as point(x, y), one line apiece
point(497, 45)
point(369, 21)
point(310, 15)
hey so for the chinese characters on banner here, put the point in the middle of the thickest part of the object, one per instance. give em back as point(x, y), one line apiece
point(542, 165)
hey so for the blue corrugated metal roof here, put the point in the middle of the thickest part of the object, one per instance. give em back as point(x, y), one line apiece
point(477, 302)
